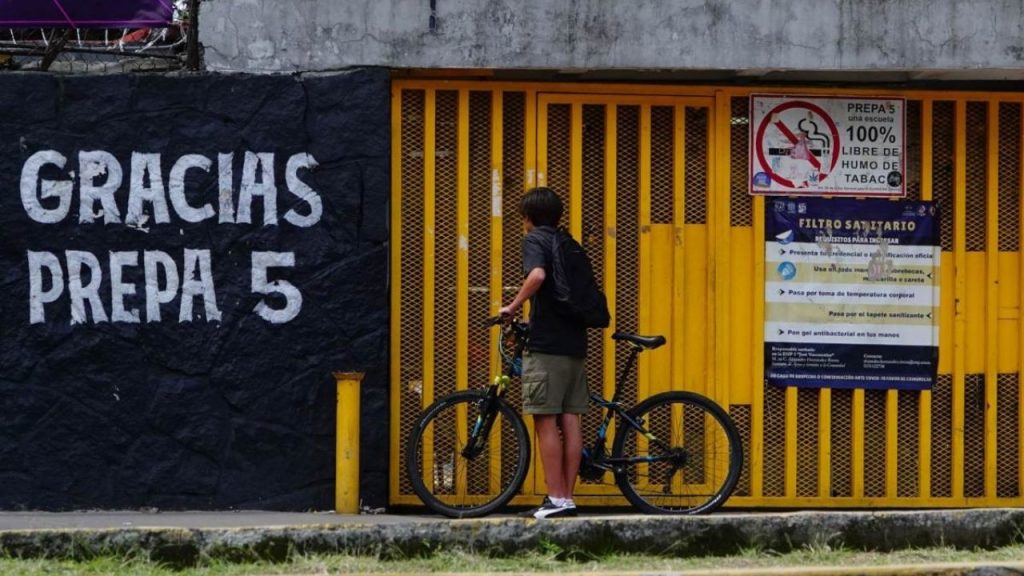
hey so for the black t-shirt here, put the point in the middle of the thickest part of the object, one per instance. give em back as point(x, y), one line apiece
point(550, 332)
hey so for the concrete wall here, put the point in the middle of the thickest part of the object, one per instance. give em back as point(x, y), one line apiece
point(147, 358)
point(285, 35)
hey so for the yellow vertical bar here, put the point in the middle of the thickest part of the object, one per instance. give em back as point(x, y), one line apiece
point(719, 266)
point(396, 286)
point(992, 297)
point(792, 399)
point(643, 381)
point(429, 167)
point(535, 132)
point(462, 270)
point(857, 466)
point(497, 216)
point(611, 137)
point(925, 405)
point(575, 206)
point(757, 356)
point(891, 441)
point(530, 136)
point(542, 141)
point(959, 291)
point(346, 468)
point(462, 249)
point(677, 332)
point(719, 278)
point(497, 160)
point(824, 443)
point(1020, 303)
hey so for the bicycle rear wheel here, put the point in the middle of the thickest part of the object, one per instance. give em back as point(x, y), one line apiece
point(692, 463)
point(460, 485)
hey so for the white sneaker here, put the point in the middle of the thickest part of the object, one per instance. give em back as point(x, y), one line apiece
point(551, 510)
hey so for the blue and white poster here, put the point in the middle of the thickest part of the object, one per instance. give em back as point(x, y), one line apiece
point(851, 293)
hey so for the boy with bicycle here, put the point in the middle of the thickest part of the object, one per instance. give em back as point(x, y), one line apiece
point(554, 379)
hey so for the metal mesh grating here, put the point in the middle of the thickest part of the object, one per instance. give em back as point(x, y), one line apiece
point(696, 197)
point(807, 442)
point(627, 234)
point(908, 451)
point(662, 163)
point(740, 414)
point(411, 306)
point(446, 241)
point(977, 175)
point(513, 180)
point(942, 167)
point(842, 443)
point(974, 435)
point(479, 261)
point(696, 434)
point(512, 170)
point(874, 442)
point(913, 149)
point(559, 153)
point(774, 441)
point(942, 437)
point(1009, 176)
point(479, 236)
point(740, 202)
point(1007, 440)
point(593, 242)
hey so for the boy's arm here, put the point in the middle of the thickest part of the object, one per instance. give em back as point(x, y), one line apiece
point(530, 286)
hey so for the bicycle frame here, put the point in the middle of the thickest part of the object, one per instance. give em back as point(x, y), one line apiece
point(496, 390)
point(614, 407)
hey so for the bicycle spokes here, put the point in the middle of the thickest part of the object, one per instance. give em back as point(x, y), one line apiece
point(685, 458)
point(465, 459)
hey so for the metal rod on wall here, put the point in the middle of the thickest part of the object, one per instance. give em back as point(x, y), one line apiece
point(192, 48)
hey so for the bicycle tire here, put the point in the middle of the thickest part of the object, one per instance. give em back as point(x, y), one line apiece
point(449, 468)
point(691, 424)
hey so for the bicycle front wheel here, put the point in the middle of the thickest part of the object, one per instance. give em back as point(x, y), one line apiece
point(691, 462)
point(464, 462)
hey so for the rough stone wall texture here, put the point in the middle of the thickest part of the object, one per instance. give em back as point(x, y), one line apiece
point(274, 35)
point(190, 412)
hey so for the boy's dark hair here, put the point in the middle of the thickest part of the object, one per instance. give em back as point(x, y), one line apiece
point(542, 206)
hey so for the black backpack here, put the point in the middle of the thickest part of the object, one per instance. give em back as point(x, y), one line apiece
point(575, 286)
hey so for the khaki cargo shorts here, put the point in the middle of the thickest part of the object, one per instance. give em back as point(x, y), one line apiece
point(554, 384)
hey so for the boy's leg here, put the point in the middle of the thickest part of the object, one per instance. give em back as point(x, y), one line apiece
point(576, 402)
point(571, 451)
point(551, 454)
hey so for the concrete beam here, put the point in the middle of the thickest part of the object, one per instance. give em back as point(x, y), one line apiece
point(828, 35)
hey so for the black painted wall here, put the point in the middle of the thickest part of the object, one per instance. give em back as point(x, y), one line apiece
point(202, 413)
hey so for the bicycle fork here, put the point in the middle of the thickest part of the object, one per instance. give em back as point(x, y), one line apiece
point(481, 431)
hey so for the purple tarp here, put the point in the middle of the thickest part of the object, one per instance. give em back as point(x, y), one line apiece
point(85, 13)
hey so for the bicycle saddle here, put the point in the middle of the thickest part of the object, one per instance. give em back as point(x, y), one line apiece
point(650, 342)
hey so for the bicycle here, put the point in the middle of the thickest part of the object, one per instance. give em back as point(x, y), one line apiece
point(690, 464)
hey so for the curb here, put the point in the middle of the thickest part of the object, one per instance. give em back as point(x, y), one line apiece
point(659, 535)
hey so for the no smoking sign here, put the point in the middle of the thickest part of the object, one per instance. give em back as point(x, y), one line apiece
point(802, 145)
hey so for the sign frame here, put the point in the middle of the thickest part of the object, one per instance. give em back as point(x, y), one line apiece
point(869, 164)
point(851, 293)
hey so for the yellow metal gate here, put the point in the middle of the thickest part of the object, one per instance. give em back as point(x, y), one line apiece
point(655, 179)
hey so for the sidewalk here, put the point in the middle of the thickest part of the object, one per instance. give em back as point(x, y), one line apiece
point(182, 537)
point(192, 520)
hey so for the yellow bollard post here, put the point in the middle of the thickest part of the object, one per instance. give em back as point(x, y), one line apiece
point(346, 472)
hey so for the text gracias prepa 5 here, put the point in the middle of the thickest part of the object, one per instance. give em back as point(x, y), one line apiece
point(48, 185)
